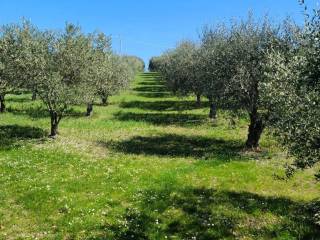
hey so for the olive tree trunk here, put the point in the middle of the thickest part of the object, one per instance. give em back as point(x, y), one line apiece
point(2, 104)
point(34, 95)
point(198, 101)
point(213, 109)
point(89, 109)
point(255, 130)
point(104, 100)
point(55, 119)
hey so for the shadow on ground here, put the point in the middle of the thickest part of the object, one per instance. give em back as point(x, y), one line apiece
point(152, 87)
point(154, 94)
point(206, 214)
point(164, 105)
point(12, 135)
point(152, 83)
point(24, 99)
point(162, 118)
point(180, 146)
point(40, 112)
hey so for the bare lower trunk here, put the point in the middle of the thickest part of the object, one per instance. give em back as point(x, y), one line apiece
point(198, 101)
point(2, 104)
point(255, 130)
point(104, 100)
point(54, 124)
point(213, 109)
point(34, 95)
point(89, 109)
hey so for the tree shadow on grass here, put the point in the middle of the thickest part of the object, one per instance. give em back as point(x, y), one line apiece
point(180, 146)
point(153, 88)
point(154, 94)
point(153, 78)
point(147, 82)
point(39, 112)
point(148, 88)
point(206, 214)
point(151, 74)
point(162, 118)
point(12, 135)
point(24, 99)
point(33, 112)
point(164, 105)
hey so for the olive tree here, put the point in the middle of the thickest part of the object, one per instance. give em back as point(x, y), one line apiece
point(121, 75)
point(8, 55)
point(135, 63)
point(249, 46)
point(31, 47)
point(99, 67)
point(109, 73)
point(68, 80)
point(187, 69)
point(62, 71)
point(154, 64)
point(166, 67)
point(214, 65)
point(179, 67)
point(116, 77)
point(294, 91)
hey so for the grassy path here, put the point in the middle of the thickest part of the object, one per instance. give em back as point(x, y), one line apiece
point(148, 166)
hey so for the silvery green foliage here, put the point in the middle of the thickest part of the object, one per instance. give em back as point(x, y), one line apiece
point(294, 92)
point(187, 68)
point(179, 67)
point(296, 109)
point(154, 64)
point(8, 56)
point(68, 59)
point(214, 67)
point(115, 74)
point(30, 60)
point(249, 45)
point(135, 63)
point(100, 66)
point(108, 72)
point(121, 74)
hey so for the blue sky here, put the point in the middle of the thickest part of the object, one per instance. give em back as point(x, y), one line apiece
point(146, 27)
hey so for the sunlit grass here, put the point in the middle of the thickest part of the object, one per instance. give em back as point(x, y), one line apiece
point(148, 166)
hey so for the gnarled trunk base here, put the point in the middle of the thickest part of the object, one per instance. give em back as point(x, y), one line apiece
point(54, 124)
point(104, 100)
point(89, 109)
point(2, 104)
point(198, 100)
point(255, 130)
point(213, 109)
point(34, 96)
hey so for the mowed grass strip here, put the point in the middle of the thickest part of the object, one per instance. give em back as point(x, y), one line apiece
point(148, 166)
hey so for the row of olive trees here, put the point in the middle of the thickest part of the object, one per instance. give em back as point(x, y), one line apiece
point(227, 68)
point(271, 72)
point(136, 63)
point(61, 68)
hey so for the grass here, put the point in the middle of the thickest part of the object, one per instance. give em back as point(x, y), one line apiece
point(148, 166)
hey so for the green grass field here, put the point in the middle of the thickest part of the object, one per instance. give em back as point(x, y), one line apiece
point(148, 166)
